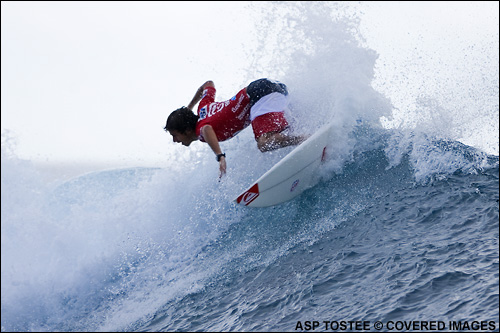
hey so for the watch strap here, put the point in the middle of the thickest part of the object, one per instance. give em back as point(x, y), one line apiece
point(219, 156)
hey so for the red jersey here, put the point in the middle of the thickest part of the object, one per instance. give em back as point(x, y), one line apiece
point(226, 118)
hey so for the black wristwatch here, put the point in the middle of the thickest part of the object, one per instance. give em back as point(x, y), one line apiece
point(219, 156)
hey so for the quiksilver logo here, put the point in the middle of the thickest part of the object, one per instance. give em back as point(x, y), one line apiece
point(249, 196)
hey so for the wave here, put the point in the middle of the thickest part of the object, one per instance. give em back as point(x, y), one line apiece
point(99, 244)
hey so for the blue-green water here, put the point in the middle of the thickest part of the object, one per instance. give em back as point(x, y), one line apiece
point(124, 250)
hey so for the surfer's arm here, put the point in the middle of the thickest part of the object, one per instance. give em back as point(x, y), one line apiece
point(209, 136)
point(199, 93)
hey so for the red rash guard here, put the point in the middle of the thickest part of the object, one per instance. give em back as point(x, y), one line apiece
point(226, 118)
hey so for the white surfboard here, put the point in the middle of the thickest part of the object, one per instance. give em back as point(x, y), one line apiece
point(290, 176)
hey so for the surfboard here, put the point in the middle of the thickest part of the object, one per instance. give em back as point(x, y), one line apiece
point(291, 176)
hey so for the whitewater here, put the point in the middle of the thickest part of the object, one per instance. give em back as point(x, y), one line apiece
point(402, 226)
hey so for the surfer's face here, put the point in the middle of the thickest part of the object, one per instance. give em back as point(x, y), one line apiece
point(184, 138)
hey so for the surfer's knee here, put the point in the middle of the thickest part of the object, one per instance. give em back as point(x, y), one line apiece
point(266, 142)
point(273, 140)
point(262, 148)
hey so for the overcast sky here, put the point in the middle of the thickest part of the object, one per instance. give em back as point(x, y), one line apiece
point(96, 80)
point(90, 81)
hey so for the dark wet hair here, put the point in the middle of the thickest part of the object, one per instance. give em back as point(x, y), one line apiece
point(181, 120)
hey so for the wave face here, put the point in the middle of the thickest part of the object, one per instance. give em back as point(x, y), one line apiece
point(402, 225)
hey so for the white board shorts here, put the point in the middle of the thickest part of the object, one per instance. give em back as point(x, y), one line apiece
point(274, 102)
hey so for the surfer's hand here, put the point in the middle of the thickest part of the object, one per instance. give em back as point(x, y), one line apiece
point(222, 166)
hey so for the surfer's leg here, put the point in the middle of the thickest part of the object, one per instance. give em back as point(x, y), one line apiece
point(268, 101)
point(273, 140)
point(271, 132)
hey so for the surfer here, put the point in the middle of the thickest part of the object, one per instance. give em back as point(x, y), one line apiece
point(261, 103)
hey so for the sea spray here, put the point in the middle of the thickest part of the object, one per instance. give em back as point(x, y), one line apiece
point(99, 237)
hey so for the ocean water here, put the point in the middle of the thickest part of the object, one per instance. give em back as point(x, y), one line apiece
point(402, 227)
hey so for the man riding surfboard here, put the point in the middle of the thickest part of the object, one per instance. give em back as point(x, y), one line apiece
point(261, 103)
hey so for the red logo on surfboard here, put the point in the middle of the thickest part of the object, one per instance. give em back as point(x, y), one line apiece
point(294, 185)
point(249, 196)
point(323, 156)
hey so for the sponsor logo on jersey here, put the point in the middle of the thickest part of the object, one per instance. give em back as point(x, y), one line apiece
point(214, 108)
point(205, 92)
point(238, 104)
point(203, 112)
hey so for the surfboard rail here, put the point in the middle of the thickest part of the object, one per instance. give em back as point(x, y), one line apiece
point(291, 175)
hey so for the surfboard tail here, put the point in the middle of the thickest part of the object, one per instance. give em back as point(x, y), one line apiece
point(291, 175)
